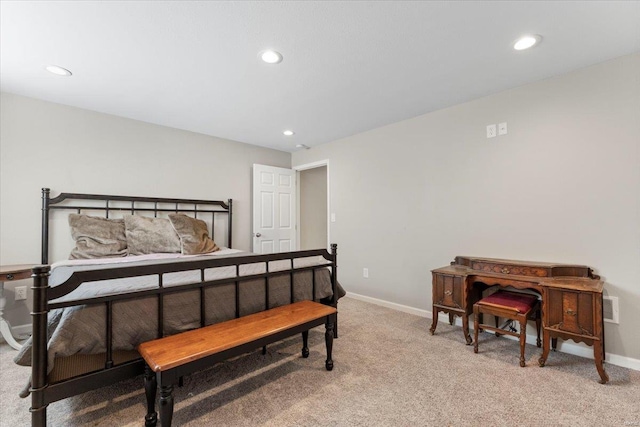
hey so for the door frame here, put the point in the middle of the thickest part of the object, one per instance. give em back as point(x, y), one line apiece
point(304, 167)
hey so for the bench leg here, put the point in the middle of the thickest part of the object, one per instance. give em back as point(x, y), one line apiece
point(327, 301)
point(328, 339)
point(150, 387)
point(305, 344)
point(166, 405)
point(264, 350)
point(335, 328)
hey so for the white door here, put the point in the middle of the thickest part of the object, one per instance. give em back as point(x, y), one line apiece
point(274, 209)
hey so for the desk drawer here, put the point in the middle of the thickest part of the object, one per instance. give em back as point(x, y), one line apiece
point(518, 270)
point(570, 311)
point(448, 290)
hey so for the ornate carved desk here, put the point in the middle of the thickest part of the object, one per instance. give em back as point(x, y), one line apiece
point(571, 298)
point(8, 273)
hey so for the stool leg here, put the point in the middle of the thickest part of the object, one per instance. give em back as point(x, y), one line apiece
point(523, 339)
point(497, 319)
point(476, 321)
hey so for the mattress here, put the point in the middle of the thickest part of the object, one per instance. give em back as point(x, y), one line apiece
point(82, 329)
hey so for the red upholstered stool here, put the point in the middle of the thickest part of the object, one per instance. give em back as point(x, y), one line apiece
point(508, 305)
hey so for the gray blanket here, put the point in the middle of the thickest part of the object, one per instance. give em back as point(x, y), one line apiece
point(82, 329)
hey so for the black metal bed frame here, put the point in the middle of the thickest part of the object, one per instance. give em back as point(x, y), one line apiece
point(44, 297)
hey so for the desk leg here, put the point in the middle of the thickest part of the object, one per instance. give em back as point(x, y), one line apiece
point(5, 330)
point(545, 347)
point(434, 321)
point(598, 353)
point(6, 334)
point(465, 328)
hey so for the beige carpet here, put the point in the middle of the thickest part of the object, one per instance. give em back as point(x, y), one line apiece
point(389, 371)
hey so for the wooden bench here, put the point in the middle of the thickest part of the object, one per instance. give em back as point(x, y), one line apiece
point(170, 358)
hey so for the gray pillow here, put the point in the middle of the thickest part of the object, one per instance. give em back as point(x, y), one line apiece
point(97, 237)
point(150, 235)
point(194, 235)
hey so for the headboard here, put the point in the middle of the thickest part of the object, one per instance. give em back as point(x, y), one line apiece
point(104, 205)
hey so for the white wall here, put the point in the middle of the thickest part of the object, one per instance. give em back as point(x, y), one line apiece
point(563, 186)
point(73, 150)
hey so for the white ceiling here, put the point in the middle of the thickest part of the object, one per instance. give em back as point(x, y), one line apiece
point(348, 66)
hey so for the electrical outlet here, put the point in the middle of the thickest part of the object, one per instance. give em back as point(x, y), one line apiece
point(365, 273)
point(21, 293)
point(611, 309)
point(502, 128)
point(491, 131)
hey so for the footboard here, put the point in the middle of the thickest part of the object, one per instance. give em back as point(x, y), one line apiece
point(273, 269)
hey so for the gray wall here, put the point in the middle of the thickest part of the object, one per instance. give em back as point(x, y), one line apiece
point(313, 208)
point(563, 185)
point(73, 150)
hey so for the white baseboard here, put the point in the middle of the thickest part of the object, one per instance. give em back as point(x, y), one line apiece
point(392, 305)
point(563, 346)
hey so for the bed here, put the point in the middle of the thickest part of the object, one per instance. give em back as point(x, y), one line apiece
point(90, 313)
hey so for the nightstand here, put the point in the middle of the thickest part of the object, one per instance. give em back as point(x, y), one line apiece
point(9, 273)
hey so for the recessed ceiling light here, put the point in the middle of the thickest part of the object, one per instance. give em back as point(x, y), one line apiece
point(58, 70)
point(288, 132)
point(525, 42)
point(270, 56)
point(306, 147)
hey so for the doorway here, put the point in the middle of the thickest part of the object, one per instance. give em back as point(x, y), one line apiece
point(313, 205)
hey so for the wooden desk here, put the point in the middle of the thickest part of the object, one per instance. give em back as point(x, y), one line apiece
point(571, 298)
point(8, 273)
